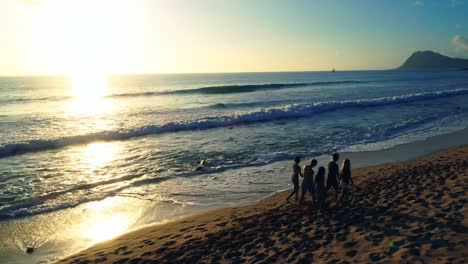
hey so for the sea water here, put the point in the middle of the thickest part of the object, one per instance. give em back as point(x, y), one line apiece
point(83, 161)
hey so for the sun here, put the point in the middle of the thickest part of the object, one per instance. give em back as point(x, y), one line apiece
point(89, 86)
point(89, 41)
point(88, 91)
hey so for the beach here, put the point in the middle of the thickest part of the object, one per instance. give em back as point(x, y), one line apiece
point(411, 211)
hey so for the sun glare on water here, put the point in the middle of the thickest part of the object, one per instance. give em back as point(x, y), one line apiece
point(103, 219)
point(100, 154)
point(89, 91)
point(112, 226)
point(108, 220)
point(89, 86)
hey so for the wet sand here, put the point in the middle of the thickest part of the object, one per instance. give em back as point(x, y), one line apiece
point(413, 211)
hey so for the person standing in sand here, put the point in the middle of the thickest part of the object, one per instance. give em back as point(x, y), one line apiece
point(295, 177)
point(345, 180)
point(308, 182)
point(319, 185)
point(333, 169)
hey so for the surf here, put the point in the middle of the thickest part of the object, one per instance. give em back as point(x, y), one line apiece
point(209, 122)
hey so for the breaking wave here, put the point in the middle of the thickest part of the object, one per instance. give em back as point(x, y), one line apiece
point(229, 89)
point(258, 115)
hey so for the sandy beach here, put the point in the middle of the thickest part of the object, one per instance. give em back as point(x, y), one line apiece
point(411, 211)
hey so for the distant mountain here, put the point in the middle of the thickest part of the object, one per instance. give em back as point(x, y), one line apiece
point(432, 60)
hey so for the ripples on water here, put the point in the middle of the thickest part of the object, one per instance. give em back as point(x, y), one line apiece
point(81, 166)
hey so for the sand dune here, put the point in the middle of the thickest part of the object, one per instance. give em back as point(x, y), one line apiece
point(411, 212)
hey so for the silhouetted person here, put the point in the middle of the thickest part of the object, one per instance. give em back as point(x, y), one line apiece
point(345, 179)
point(308, 182)
point(319, 185)
point(333, 169)
point(295, 177)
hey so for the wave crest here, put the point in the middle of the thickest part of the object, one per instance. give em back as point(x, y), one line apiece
point(260, 115)
point(222, 89)
point(228, 89)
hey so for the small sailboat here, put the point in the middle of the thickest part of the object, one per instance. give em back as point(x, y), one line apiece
point(333, 70)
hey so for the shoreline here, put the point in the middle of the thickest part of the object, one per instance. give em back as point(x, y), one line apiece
point(407, 151)
point(208, 230)
point(51, 251)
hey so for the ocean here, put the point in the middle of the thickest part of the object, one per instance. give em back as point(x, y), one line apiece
point(84, 160)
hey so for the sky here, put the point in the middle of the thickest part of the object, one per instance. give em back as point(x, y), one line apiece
point(195, 36)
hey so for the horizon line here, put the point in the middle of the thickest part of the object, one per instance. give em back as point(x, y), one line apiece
point(188, 73)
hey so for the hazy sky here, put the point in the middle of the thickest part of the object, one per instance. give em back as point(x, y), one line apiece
point(175, 36)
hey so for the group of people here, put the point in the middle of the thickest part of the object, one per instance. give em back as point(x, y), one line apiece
point(338, 178)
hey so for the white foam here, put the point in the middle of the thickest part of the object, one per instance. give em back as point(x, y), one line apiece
point(258, 115)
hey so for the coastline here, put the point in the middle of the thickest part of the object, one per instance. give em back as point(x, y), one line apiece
point(236, 234)
point(407, 151)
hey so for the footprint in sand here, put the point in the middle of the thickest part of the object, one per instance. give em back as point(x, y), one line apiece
point(222, 224)
point(415, 251)
point(120, 249)
point(350, 244)
point(169, 243)
point(148, 242)
point(101, 259)
point(121, 261)
point(375, 257)
point(351, 253)
point(147, 253)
